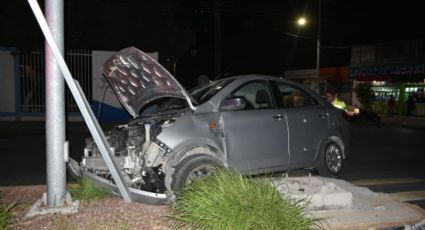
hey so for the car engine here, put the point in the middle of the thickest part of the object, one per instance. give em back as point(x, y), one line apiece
point(137, 153)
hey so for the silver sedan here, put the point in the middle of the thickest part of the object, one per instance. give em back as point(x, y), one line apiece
point(252, 123)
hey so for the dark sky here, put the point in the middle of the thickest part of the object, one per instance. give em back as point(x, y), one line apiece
point(256, 36)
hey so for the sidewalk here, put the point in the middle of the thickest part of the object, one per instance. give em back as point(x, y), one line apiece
point(405, 121)
point(342, 205)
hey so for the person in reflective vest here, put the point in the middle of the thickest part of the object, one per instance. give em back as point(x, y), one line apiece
point(332, 97)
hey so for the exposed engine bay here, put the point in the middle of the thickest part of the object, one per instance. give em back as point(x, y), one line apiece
point(136, 151)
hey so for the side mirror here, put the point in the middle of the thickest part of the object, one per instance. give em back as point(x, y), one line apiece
point(234, 103)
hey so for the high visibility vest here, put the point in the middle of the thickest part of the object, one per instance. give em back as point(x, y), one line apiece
point(338, 103)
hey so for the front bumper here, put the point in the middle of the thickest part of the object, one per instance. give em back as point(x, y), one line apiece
point(136, 195)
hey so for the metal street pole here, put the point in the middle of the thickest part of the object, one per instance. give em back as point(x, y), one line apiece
point(319, 11)
point(82, 103)
point(217, 40)
point(55, 109)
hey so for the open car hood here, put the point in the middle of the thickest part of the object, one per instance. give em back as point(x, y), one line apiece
point(138, 79)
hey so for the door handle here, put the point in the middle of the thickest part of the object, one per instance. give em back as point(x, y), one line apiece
point(323, 115)
point(279, 117)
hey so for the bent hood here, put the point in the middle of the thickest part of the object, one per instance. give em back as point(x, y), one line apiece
point(138, 79)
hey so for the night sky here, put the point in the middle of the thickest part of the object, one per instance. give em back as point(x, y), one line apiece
point(256, 36)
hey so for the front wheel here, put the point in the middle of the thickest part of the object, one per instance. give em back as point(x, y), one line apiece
point(331, 161)
point(193, 168)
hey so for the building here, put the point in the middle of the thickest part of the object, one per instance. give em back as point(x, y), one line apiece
point(393, 68)
point(336, 76)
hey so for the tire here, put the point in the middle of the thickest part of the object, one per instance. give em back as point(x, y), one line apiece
point(193, 168)
point(331, 161)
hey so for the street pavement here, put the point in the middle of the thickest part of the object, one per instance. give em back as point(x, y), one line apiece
point(386, 159)
point(405, 121)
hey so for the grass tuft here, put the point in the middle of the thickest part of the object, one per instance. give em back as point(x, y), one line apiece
point(86, 191)
point(6, 215)
point(228, 200)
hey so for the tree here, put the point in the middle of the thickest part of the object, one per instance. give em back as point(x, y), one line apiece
point(364, 94)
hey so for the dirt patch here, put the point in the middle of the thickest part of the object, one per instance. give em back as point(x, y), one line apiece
point(108, 213)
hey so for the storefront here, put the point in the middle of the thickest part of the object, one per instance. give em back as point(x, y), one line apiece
point(397, 80)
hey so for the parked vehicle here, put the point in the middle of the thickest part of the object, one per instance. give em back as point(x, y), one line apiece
point(252, 123)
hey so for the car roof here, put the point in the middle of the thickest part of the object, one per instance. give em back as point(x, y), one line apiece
point(248, 77)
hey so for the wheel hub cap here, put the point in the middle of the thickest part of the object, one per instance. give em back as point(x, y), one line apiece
point(334, 158)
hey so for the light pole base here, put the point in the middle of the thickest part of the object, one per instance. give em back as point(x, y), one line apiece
point(66, 206)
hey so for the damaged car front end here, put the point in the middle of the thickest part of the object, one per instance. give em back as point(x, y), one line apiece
point(137, 79)
point(139, 155)
point(144, 150)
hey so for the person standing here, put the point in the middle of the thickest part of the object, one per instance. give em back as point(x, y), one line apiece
point(332, 97)
point(391, 106)
point(410, 105)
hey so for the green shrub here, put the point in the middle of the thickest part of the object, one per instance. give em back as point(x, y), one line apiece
point(6, 216)
point(86, 191)
point(228, 200)
point(365, 94)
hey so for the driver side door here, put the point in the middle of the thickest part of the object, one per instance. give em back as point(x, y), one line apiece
point(256, 136)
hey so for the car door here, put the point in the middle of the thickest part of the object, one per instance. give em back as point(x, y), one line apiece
point(307, 121)
point(256, 136)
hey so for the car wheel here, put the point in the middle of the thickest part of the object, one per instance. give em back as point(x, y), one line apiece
point(193, 168)
point(331, 161)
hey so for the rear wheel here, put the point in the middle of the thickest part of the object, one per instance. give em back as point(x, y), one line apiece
point(193, 168)
point(331, 161)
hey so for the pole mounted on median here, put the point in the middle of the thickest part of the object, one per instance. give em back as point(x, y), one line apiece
point(82, 103)
point(55, 109)
point(301, 22)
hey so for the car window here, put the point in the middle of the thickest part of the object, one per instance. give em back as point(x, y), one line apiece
point(256, 93)
point(205, 92)
point(292, 97)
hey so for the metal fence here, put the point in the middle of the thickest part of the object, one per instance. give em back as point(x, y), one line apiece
point(32, 78)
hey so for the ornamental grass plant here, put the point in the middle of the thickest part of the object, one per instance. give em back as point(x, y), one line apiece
point(229, 200)
point(6, 215)
point(86, 191)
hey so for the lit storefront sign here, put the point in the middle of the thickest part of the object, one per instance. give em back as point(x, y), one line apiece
point(387, 70)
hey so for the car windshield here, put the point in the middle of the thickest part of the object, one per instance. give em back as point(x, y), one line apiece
point(204, 92)
point(201, 94)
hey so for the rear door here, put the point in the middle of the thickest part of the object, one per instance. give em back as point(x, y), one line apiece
point(307, 121)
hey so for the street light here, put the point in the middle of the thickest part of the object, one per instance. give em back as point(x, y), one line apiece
point(302, 21)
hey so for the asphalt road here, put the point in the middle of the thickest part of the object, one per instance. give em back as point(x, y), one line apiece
point(386, 158)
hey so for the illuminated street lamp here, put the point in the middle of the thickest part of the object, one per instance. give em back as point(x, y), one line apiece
point(301, 22)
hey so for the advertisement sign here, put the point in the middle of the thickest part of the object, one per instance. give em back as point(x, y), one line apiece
point(387, 70)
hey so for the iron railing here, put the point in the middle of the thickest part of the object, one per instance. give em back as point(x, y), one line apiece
point(32, 78)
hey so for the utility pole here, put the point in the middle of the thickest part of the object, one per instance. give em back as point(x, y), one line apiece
point(217, 40)
point(87, 114)
point(55, 109)
point(319, 12)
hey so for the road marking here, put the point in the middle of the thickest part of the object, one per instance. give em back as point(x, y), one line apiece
point(408, 196)
point(386, 181)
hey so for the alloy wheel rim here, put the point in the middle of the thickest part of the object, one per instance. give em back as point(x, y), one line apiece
point(334, 158)
point(199, 172)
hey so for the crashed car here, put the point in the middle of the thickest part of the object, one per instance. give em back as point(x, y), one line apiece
point(253, 123)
